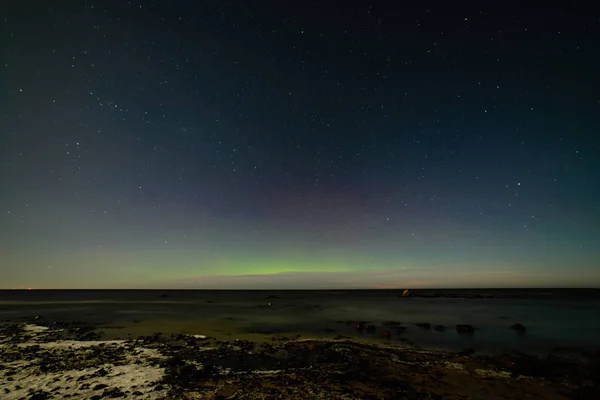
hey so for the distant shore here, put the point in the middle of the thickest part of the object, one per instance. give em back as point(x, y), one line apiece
point(61, 359)
point(470, 293)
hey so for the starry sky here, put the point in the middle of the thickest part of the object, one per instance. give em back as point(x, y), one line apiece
point(313, 144)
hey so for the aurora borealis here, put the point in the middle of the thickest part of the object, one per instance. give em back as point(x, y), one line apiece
point(221, 145)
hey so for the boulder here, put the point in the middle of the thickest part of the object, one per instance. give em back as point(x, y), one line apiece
point(460, 328)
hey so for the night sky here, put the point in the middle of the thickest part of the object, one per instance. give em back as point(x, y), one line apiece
point(216, 144)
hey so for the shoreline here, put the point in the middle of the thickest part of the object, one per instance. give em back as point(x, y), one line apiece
point(42, 360)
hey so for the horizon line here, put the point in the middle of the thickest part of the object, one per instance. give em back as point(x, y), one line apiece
point(317, 289)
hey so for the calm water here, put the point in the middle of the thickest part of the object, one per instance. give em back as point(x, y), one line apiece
point(554, 318)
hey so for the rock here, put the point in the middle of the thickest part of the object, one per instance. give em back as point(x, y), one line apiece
point(440, 328)
point(518, 328)
point(158, 388)
point(460, 328)
point(113, 393)
point(40, 396)
point(360, 326)
point(424, 325)
point(391, 323)
point(370, 328)
point(99, 386)
point(386, 334)
point(224, 393)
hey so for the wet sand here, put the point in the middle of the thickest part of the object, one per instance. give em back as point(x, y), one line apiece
point(218, 329)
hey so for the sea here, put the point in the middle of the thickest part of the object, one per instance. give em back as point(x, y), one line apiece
point(556, 320)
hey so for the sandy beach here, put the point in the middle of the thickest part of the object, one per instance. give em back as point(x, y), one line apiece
point(54, 360)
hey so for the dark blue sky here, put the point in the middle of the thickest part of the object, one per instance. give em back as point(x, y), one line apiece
point(216, 144)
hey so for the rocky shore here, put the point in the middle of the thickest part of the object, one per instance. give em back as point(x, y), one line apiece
point(59, 360)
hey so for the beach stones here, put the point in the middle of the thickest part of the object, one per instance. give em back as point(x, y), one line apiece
point(40, 396)
point(468, 329)
point(225, 393)
point(99, 386)
point(113, 393)
point(302, 370)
